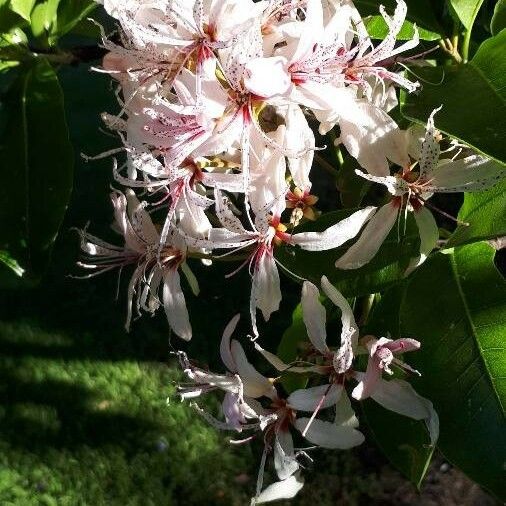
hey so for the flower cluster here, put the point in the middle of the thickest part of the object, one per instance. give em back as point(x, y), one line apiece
point(215, 100)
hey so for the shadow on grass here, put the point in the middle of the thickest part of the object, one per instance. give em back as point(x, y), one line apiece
point(58, 414)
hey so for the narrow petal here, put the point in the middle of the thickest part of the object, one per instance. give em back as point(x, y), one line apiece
point(284, 455)
point(429, 154)
point(329, 435)
point(312, 30)
point(371, 238)
point(276, 362)
point(369, 381)
point(473, 173)
point(225, 351)
point(175, 305)
point(191, 278)
point(307, 399)
point(314, 317)
point(336, 235)
point(298, 133)
point(399, 396)
point(255, 385)
point(285, 489)
point(429, 235)
point(266, 290)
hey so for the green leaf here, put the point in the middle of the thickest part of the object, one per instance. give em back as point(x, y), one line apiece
point(420, 13)
point(485, 212)
point(289, 350)
point(384, 270)
point(13, 48)
point(466, 10)
point(408, 446)
point(70, 13)
point(499, 18)
point(9, 19)
point(378, 29)
point(473, 97)
point(36, 167)
point(43, 18)
point(23, 8)
point(455, 304)
point(352, 189)
point(6, 259)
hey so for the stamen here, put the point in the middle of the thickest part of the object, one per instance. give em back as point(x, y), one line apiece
point(446, 215)
point(318, 407)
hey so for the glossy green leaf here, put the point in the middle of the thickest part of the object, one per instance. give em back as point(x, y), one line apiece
point(23, 8)
point(36, 163)
point(408, 446)
point(289, 349)
point(466, 10)
point(385, 269)
point(352, 189)
point(70, 13)
point(378, 29)
point(473, 98)
point(43, 18)
point(498, 22)
point(485, 213)
point(13, 48)
point(455, 304)
point(8, 18)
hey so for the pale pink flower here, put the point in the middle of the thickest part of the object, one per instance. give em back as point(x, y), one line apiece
point(155, 268)
point(381, 355)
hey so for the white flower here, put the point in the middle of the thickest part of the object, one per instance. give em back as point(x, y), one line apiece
point(411, 188)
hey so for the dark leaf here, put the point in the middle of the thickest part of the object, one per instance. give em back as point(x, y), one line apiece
point(36, 166)
point(455, 304)
point(473, 98)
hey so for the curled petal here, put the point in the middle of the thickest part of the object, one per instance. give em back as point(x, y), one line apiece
point(403, 345)
point(349, 333)
point(225, 352)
